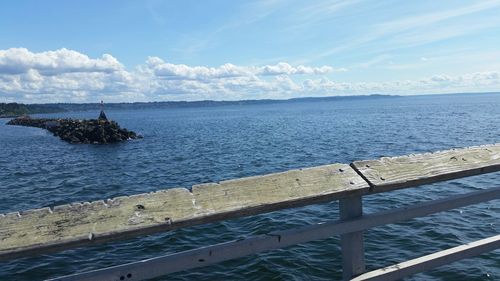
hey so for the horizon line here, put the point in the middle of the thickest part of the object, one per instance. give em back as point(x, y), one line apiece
point(275, 99)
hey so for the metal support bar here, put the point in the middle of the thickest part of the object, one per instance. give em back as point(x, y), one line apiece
point(401, 270)
point(353, 250)
point(167, 264)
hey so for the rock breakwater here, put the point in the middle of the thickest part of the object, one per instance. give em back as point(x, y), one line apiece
point(96, 131)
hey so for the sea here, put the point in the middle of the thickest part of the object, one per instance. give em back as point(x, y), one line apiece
point(191, 145)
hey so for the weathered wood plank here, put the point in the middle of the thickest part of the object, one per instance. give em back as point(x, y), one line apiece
point(390, 173)
point(62, 227)
point(277, 191)
point(158, 266)
point(352, 244)
point(407, 268)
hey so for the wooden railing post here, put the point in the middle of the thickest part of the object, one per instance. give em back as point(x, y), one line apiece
point(353, 250)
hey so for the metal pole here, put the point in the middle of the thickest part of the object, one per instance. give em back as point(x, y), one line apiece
point(353, 250)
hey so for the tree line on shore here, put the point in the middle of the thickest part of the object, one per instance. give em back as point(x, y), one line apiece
point(10, 110)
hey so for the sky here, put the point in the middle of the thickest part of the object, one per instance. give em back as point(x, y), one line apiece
point(126, 51)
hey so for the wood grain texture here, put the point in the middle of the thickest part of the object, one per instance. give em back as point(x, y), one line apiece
point(62, 227)
point(390, 173)
point(425, 263)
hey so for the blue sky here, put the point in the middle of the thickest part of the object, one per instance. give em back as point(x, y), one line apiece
point(83, 51)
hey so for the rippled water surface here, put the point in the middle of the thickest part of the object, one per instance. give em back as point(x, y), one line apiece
point(186, 146)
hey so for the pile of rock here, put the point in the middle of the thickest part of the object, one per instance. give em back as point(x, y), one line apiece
point(99, 131)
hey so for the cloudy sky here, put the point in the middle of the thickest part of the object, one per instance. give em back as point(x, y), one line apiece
point(85, 51)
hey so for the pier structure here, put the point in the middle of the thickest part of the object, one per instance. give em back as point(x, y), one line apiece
point(46, 230)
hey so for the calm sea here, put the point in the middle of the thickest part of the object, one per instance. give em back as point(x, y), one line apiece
point(186, 146)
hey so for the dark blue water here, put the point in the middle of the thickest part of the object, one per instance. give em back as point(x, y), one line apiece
point(187, 146)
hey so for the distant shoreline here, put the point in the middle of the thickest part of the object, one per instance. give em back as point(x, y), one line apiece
point(64, 107)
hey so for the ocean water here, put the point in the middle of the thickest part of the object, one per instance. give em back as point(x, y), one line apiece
point(186, 146)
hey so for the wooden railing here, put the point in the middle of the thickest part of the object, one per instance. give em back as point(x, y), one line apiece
point(62, 227)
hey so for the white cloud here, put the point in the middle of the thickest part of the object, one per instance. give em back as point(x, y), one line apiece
point(284, 68)
point(413, 30)
point(182, 71)
point(69, 76)
point(21, 60)
point(423, 20)
point(474, 82)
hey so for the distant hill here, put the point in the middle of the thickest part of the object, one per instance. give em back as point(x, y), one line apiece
point(18, 109)
point(9, 110)
point(203, 103)
point(15, 109)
